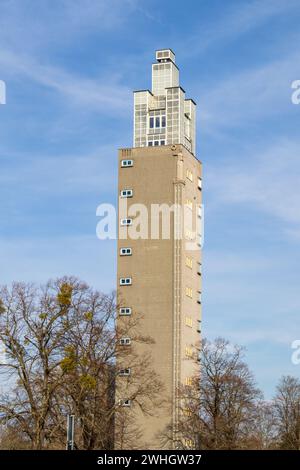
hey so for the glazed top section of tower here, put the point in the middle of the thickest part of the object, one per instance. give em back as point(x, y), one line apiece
point(164, 116)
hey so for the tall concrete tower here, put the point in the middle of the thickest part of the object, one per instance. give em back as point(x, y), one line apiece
point(159, 244)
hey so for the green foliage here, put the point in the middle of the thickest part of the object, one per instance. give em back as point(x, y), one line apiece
point(64, 297)
point(43, 316)
point(2, 308)
point(88, 382)
point(88, 316)
point(69, 362)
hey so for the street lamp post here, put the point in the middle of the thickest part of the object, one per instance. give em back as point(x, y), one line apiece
point(70, 432)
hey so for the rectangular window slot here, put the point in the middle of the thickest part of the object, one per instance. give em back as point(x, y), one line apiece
point(126, 163)
point(188, 352)
point(126, 193)
point(199, 269)
point(125, 403)
point(189, 292)
point(126, 251)
point(188, 381)
point(125, 341)
point(125, 222)
point(124, 372)
point(125, 281)
point(125, 311)
point(189, 175)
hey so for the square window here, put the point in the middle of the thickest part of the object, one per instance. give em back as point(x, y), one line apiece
point(156, 143)
point(150, 144)
point(162, 142)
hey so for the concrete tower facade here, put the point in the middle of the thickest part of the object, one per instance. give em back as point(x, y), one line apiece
point(159, 246)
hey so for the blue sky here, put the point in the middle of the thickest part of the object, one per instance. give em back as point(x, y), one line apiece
point(70, 67)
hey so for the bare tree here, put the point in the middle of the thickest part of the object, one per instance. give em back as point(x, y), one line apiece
point(219, 409)
point(61, 356)
point(287, 412)
point(32, 326)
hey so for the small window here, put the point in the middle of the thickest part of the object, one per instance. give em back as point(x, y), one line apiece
point(162, 142)
point(188, 351)
point(189, 262)
point(188, 443)
point(189, 322)
point(126, 163)
point(189, 175)
point(189, 235)
point(189, 381)
point(199, 326)
point(150, 144)
point(126, 193)
point(125, 281)
point(199, 183)
point(125, 311)
point(199, 268)
point(199, 300)
point(125, 222)
point(156, 143)
point(125, 251)
point(125, 341)
point(125, 402)
point(200, 212)
point(151, 122)
point(163, 121)
point(189, 203)
point(189, 292)
point(157, 121)
point(124, 372)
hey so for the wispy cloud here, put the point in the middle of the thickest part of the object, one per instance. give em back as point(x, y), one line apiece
point(262, 178)
point(238, 19)
point(99, 94)
point(59, 22)
point(255, 93)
